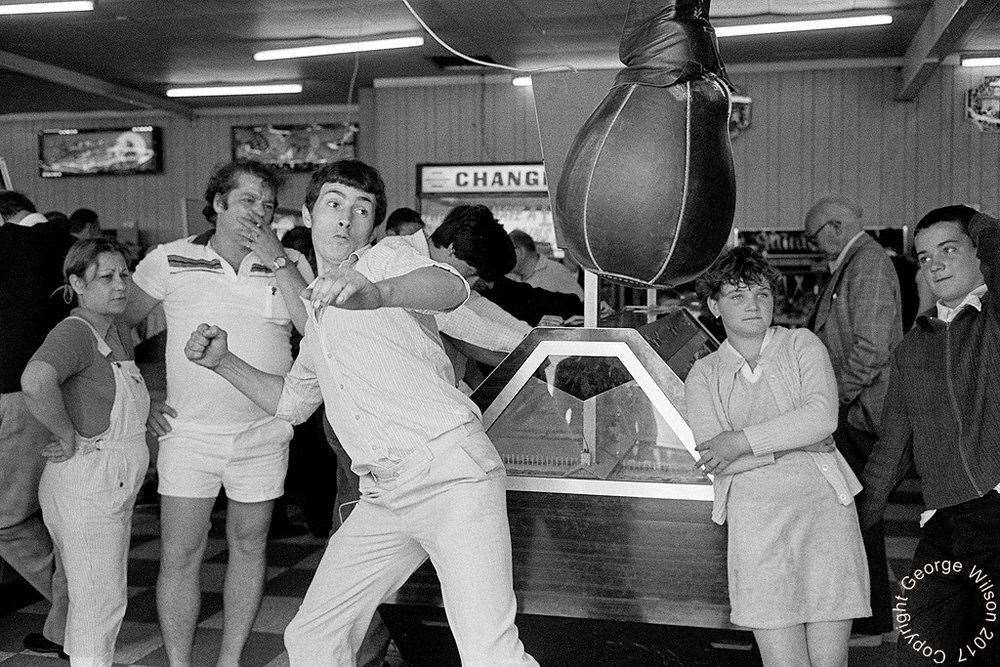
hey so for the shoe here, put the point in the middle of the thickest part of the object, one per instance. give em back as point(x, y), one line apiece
point(37, 643)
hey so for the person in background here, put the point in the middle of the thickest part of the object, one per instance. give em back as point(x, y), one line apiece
point(403, 222)
point(540, 271)
point(858, 318)
point(763, 409)
point(84, 223)
point(211, 435)
point(30, 270)
point(942, 416)
point(83, 385)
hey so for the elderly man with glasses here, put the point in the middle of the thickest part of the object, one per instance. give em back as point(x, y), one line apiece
point(858, 318)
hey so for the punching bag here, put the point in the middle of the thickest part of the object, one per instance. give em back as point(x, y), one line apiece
point(647, 194)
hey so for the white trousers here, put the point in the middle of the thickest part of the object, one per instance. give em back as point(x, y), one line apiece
point(87, 504)
point(446, 501)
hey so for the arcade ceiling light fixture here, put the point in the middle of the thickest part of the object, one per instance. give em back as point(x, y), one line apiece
point(800, 26)
point(341, 47)
point(980, 61)
point(521, 81)
point(45, 7)
point(220, 91)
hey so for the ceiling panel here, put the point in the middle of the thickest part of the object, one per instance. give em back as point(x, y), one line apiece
point(151, 45)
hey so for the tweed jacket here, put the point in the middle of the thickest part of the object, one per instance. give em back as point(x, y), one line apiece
point(858, 318)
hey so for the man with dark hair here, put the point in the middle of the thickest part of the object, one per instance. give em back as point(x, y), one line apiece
point(83, 224)
point(540, 271)
point(30, 269)
point(470, 234)
point(212, 436)
point(432, 482)
point(403, 222)
point(942, 416)
point(858, 318)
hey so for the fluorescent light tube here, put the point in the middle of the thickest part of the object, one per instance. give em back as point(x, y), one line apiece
point(799, 26)
point(521, 81)
point(981, 62)
point(213, 91)
point(342, 47)
point(46, 7)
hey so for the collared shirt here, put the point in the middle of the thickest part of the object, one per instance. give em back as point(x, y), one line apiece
point(32, 219)
point(195, 285)
point(751, 375)
point(385, 381)
point(552, 276)
point(835, 264)
point(973, 299)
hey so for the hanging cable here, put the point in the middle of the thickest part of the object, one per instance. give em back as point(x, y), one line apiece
point(554, 68)
point(354, 79)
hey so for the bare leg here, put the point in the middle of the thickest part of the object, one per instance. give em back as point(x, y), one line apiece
point(246, 530)
point(184, 526)
point(783, 647)
point(828, 643)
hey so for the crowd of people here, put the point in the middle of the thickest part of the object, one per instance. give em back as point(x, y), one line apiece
point(374, 332)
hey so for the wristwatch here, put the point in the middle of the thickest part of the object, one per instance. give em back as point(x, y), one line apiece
point(280, 262)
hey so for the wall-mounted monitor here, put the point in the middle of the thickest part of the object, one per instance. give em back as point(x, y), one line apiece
point(112, 151)
point(295, 147)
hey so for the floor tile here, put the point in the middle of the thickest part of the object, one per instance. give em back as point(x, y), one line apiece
point(261, 649)
point(136, 641)
point(290, 583)
point(142, 607)
point(142, 572)
point(275, 615)
point(13, 628)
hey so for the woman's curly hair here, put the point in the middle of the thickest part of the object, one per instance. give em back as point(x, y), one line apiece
point(742, 265)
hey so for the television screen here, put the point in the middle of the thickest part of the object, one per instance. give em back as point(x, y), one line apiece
point(295, 147)
point(133, 150)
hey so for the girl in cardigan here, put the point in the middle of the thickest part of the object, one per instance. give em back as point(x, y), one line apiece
point(762, 409)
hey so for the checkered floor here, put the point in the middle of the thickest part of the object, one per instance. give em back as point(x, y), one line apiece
point(291, 563)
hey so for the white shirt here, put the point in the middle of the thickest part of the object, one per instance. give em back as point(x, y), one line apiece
point(835, 264)
point(195, 285)
point(385, 381)
point(552, 276)
point(751, 375)
point(32, 219)
point(973, 299)
point(478, 321)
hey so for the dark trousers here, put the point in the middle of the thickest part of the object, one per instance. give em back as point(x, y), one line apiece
point(376, 642)
point(856, 445)
point(954, 615)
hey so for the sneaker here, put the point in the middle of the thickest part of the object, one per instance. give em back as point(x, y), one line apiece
point(37, 643)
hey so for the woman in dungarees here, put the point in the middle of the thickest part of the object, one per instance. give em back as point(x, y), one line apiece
point(83, 385)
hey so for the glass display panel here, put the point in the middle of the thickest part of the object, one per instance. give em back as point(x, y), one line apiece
point(587, 417)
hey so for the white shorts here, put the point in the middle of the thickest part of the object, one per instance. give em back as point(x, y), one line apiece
point(249, 461)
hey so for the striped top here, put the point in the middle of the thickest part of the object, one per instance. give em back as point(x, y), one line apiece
point(196, 285)
point(385, 381)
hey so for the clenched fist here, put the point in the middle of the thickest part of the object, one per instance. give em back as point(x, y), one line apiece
point(208, 346)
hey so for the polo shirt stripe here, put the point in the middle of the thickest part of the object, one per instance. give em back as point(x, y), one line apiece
point(178, 261)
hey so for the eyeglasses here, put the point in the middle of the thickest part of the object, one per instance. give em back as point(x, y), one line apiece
point(814, 235)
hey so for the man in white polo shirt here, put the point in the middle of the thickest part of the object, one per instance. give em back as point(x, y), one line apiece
point(212, 436)
point(432, 483)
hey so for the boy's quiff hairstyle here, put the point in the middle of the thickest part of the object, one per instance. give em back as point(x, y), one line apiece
point(355, 174)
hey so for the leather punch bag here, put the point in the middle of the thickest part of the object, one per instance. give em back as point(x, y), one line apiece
point(647, 194)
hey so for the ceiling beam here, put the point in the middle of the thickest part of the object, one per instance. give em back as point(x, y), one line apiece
point(92, 85)
point(946, 23)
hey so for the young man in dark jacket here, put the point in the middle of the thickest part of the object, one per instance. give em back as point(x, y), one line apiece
point(942, 414)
